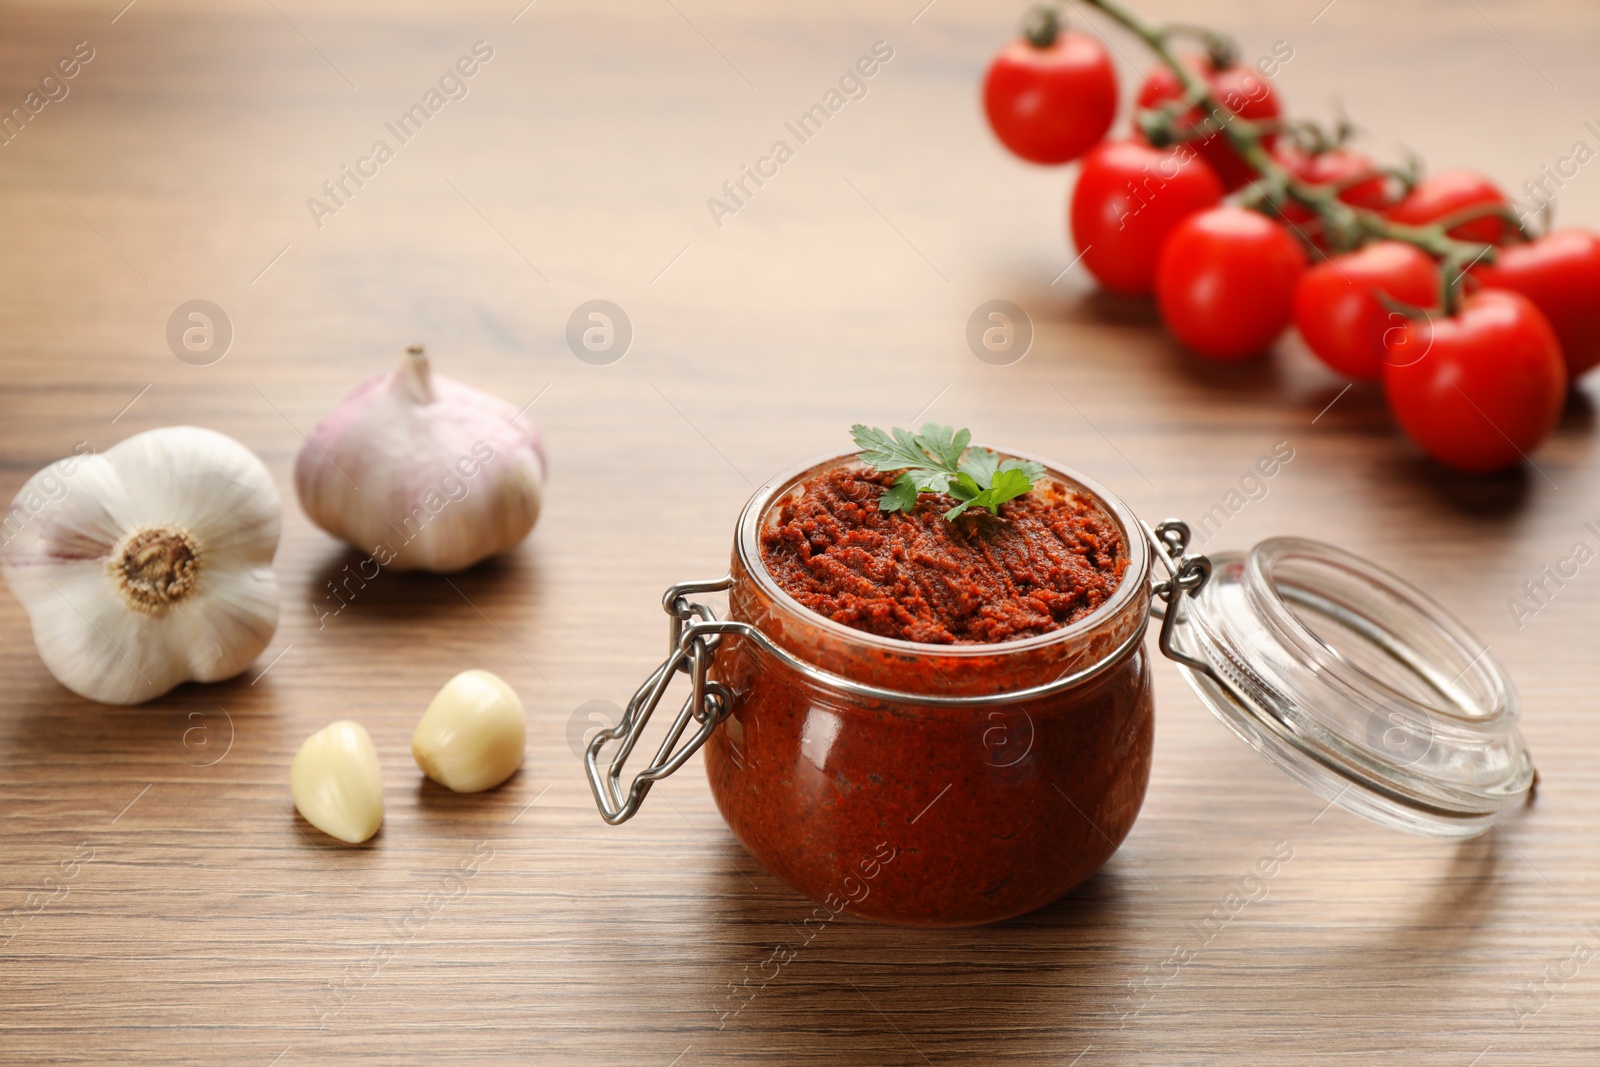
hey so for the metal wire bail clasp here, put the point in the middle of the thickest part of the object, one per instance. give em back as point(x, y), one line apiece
point(693, 636)
point(1185, 574)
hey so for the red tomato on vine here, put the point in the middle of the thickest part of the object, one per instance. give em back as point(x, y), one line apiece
point(1051, 95)
point(1451, 192)
point(1226, 280)
point(1560, 273)
point(1238, 88)
point(1482, 388)
point(1358, 179)
point(1129, 197)
point(1339, 315)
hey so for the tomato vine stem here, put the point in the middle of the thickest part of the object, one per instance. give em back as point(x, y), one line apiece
point(1042, 26)
point(1346, 224)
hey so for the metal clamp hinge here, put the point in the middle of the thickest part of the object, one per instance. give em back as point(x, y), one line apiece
point(693, 635)
point(1185, 574)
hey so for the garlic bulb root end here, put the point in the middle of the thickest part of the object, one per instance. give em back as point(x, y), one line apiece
point(147, 565)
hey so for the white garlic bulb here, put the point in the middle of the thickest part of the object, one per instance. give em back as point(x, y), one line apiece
point(423, 472)
point(147, 566)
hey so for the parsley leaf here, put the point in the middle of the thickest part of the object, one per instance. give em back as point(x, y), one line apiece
point(943, 444)
point(1034, 471)
point(901, 496)
point(1009, 483)
point(981, 463)
point(938, 460)
point(887, 453)
point(964, 487)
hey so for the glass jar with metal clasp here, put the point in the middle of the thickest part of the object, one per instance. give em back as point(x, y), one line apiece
point(951, 785)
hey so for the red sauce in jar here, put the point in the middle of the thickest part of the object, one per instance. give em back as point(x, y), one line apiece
point(937, 813)
point(1050, 558)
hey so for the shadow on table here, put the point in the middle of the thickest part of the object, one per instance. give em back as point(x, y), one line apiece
point(852, 991)
point(1482, 497)
point(1058, 979)
point(1463, 895)
point(1264, 378)
point(349, 584)
point(1578, 417)
point(1098, 305)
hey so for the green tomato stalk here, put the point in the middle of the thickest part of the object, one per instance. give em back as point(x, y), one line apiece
point(1347, 226)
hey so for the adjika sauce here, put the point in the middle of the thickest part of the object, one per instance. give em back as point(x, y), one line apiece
point(988, 810)
point(1048, 560)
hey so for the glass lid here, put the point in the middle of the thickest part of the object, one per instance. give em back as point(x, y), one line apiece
point(1350, 680)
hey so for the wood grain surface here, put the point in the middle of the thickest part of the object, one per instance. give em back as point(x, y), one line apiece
point(204, 922)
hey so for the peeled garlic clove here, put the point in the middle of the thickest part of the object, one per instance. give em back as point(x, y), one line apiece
point(335, 783)
point(422, 472)
point(472, 735)
point(148, 565)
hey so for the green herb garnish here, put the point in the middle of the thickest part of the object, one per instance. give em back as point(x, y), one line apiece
point(937, 460)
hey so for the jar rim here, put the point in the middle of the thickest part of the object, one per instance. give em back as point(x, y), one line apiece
point(747, 546)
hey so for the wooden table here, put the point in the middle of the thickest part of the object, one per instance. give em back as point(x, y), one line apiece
point(204, 922)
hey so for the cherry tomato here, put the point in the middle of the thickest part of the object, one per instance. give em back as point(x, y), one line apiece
point(1482, 388)
point(1128, 199)
point(1449, 192)
point(1239, 89)
point(1342, 320)
point(1051, 104)
point(1560, 273)
point(1226, 281)
point(1363, 185)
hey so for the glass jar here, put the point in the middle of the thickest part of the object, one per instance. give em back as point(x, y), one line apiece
point(951, 785)
point(855, 746)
